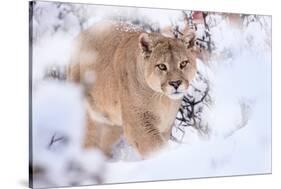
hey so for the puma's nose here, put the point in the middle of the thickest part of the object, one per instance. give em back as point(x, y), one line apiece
point(175, 84)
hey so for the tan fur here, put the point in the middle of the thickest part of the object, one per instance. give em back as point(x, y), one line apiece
point(129, 95)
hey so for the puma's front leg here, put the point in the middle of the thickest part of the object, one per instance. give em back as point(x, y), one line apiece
point(101, 136)
point(141, 131)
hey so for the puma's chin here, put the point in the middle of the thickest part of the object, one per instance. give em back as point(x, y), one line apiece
point(176, 96)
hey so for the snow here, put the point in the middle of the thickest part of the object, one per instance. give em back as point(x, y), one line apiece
point(58, 112)
point(49, 51)
point(238, 117)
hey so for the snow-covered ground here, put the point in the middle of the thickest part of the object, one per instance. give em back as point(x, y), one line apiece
point(238, 117)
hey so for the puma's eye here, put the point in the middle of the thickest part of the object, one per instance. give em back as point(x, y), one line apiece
point(183, 64)
point(162, 67)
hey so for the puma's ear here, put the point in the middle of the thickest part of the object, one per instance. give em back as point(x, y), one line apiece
point(145, 44)
point(189, 38)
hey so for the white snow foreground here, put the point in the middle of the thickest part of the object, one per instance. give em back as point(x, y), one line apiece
point(57, 132)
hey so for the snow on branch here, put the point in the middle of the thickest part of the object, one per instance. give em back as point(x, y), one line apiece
point(191, 111)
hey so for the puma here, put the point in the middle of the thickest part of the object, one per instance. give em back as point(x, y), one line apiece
point(134, 83)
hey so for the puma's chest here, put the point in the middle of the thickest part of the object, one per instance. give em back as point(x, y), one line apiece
point(167, 114)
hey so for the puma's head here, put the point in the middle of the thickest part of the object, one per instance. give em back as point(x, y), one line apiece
point(169, 63)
